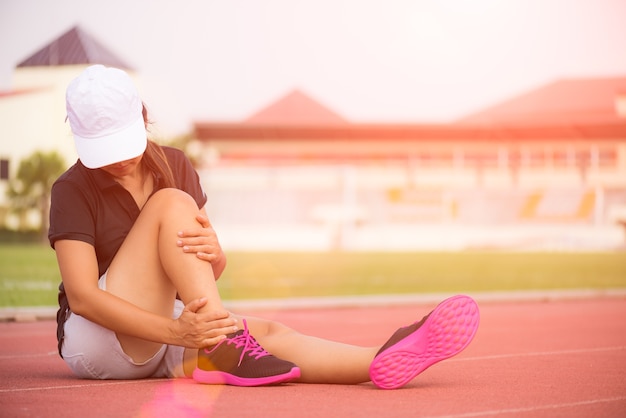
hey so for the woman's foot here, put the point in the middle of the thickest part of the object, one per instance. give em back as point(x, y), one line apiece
point(239, 360)
point(441, 334)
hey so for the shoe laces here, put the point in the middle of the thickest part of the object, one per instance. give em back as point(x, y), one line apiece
point(249, 344)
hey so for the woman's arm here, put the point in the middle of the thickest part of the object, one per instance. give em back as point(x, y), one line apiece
point(79, 271)
point(203, 241)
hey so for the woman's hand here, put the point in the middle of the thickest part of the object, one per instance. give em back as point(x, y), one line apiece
point(201, 241)
point(198, 330)
point(204, 243)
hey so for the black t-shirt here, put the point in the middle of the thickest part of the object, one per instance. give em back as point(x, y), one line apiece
point(88, 205)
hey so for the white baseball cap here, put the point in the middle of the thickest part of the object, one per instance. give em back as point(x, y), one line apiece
point(105, 115)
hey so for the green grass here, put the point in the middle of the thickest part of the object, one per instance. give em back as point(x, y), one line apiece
point(29, 275)
point(326, 274)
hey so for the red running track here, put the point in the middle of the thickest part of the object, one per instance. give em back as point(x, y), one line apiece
point(529, 359)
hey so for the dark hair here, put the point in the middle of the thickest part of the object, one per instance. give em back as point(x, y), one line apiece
point(155, 158)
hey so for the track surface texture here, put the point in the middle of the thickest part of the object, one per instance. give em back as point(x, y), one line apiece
point(529, 358)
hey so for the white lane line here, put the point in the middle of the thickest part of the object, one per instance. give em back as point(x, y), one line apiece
point(19, 356)
point(540, 353)
point(476, 358)
point(531, 409)
point(98, 383)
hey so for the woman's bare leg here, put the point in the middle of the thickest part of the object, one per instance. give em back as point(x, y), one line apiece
point(320, 361)
point(150, 269)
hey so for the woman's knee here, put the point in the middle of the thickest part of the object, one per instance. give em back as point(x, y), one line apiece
point(170, 197)
point(171, 194)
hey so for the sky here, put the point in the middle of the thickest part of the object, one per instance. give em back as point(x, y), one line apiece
point(371, 61)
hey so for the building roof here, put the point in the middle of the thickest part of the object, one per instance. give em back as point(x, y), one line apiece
point(567, 110)
point(295, 108)
point(71, 48)
point(439, 133)
point(564, 102)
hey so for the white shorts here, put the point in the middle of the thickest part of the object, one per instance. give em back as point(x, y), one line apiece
point(94, 352)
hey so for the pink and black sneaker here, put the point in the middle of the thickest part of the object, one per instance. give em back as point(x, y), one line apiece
point(239, 360)
point(441, 334)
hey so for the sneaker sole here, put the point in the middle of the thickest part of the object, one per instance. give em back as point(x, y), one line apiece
point(450, 327)
point(223, 378)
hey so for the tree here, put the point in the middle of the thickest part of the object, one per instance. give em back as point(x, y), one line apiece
point(31, 187)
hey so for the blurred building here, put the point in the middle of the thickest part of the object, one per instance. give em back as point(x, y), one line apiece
point(545, 170)
point(33, 112)
point(554, 157)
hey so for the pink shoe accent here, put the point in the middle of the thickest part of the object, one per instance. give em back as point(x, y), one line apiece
point(445, 332)
point(225, 378)
point(240, 360)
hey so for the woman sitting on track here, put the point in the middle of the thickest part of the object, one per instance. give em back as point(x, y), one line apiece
point(139, 259)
